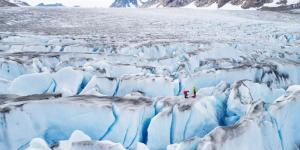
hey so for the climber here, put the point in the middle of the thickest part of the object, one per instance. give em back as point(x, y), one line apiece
point(194, 92)
point(186, 93)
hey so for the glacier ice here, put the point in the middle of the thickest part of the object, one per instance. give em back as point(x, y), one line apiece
point(182, 120)
point(129, 121)
point(163, 86)
point(113, 79)
point(101, 86)
point(38, 144)
point(39, 120)
point(273, 127)
point(245, 93)
point(122, 120)
point(77, 141)
point(141, 146)
point(68, 81)
point(30, 84)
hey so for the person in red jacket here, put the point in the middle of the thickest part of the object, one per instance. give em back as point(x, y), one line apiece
point(186, 93)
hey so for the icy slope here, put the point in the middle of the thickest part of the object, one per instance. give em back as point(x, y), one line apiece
point(272, 127)
point(122, 120)
point(81, 113)
point(130, 120)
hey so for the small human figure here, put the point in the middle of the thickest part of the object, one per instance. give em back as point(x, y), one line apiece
point(194, 92)
point(186, 93)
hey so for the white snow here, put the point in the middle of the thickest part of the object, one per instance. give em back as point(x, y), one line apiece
point(141, 146)
point(190, 5)
point(229, 6)
point(78, 141)
point(38, 144)
point(76, 136)
point(289, 2)
point(214, 6)
point(273, 4)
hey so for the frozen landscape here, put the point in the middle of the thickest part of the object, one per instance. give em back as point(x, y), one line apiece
point(113, 79)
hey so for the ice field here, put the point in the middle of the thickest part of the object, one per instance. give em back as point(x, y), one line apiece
point(113, 79)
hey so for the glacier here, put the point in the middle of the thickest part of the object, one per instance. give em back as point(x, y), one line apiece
point(114, 79)
point(273, 126)
point(205, 122)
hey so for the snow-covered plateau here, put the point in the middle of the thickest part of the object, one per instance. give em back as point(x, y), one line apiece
point(113, 79)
